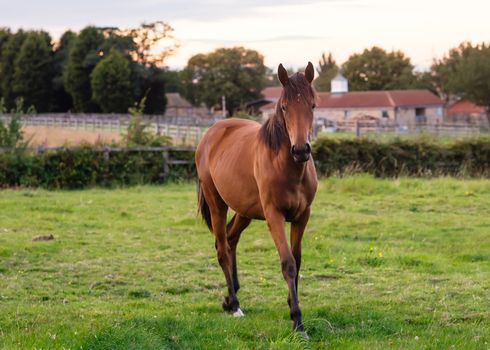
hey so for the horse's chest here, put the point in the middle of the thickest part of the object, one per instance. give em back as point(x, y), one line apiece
point(293, 198)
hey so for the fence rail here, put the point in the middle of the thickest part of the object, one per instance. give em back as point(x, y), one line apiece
point(442, 129)
point(182, 130)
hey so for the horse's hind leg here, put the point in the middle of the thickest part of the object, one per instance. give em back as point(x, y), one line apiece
point(218, 210)
point(234, 229)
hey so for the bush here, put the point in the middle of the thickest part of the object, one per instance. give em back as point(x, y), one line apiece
point(89, 166)
point(410, 158)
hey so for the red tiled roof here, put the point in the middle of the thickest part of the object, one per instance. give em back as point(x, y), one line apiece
point(363, 99)
point(272, 93)
point(403, 98)
point(465, 106)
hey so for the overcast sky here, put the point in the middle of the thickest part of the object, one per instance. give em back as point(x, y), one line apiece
point(291, 32)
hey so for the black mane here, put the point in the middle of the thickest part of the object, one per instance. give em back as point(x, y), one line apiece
point(273, 133)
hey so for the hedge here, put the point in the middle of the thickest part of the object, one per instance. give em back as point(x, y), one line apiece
point(468, 158)
point(89, 166)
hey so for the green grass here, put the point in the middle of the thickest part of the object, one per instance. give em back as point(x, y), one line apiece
point(388, 137)
point(399, 264)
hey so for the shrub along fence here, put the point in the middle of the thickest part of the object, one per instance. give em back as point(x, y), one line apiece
point(87, 166)
point(91, 166)
point(465, 158)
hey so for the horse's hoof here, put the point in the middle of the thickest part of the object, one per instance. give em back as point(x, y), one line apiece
point(238, 313)
point(304, 335)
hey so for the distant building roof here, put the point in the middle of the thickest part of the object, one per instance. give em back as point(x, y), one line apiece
point(465, 107)
point(272, 93)
point(174, 100)
point(365, 99)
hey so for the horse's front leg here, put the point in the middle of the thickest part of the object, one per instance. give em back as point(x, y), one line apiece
point(297, 230)
point(275, 221)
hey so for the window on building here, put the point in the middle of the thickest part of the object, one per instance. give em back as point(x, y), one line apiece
point(384, 114)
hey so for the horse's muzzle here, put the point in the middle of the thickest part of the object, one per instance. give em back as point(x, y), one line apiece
point(301, 153)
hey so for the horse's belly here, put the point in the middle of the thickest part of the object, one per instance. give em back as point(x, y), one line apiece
point(235, 182)
point(240, 193)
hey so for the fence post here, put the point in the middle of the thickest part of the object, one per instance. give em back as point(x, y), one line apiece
point(106, 153)
point(40, 150)
point(358, 129)
point(166, 169)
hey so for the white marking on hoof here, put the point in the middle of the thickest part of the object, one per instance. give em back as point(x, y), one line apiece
point(304, 335)
point(238, 313)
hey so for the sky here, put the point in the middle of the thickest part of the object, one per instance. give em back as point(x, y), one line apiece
point(283, 31)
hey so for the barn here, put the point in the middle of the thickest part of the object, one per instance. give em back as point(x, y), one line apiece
point(408, 108)
point(467, 113)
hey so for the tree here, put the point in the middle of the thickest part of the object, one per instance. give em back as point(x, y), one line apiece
point(445, 70)
point(236, 73)
point(148, 46)
point(83, 57)
point(327, 70)
point(376, 69)
point(472, 77)
point(147, 37)
point(10, 51)
point(111, 85)
point(33, 72)
point(5, 35)
point(154, 85)
point(62, 100)
point(173, 81)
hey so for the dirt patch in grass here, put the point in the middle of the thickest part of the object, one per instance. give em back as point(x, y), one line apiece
point(55, 136)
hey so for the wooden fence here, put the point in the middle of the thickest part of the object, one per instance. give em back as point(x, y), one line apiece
point(182, 130)
point(443, 129)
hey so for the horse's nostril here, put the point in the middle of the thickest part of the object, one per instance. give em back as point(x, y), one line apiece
point(305, 149)
point(308, 147)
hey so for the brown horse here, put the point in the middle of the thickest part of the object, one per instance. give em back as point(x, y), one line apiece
point(261, 172)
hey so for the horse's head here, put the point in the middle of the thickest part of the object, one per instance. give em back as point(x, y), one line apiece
point(296, 105)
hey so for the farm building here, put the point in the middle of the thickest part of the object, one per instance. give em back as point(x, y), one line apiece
point(466, 112)
point(181, 111)
point(269, 95)
point(403, 107)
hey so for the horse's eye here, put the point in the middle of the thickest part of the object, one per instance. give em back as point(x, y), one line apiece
point(313, 106)
point(284, 107)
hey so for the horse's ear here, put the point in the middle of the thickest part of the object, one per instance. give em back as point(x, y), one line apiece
point(309, 72)
point(282, 74)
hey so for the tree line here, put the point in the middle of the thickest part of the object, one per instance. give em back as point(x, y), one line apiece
point(96, 70)
point(110, 69)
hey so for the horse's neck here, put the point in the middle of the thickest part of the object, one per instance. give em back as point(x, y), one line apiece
point(284, 162)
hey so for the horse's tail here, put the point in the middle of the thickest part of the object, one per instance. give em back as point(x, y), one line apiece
point(203, 207)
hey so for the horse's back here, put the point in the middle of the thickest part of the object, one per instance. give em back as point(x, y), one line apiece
point(226, 137)
point(225, 161)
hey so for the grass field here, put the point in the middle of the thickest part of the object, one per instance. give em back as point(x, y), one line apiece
point(401, 264)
